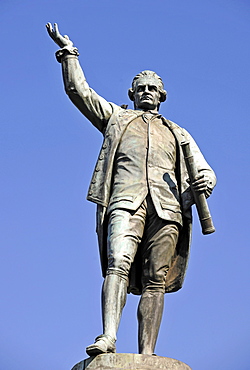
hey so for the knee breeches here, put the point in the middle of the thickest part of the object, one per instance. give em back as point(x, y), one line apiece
point(142, 232)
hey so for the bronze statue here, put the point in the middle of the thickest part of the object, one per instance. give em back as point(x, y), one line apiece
point(143, 195)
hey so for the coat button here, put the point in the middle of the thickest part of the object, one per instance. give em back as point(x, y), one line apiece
point(101, 157)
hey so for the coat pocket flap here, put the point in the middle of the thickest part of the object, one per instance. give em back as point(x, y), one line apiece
point(171, 207)
point(118, 198)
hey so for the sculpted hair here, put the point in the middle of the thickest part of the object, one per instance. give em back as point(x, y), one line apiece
point(151, 74)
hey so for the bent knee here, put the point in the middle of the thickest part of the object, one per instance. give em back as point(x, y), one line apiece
point(119, 263)
point(155, 281)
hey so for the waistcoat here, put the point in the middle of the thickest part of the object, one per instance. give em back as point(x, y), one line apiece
point(145, 163)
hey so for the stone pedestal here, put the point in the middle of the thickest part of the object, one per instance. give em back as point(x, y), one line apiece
point(130, 361)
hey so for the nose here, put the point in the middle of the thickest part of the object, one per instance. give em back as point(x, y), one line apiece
point(146, 89)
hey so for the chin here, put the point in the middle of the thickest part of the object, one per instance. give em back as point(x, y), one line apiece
point(146, 106)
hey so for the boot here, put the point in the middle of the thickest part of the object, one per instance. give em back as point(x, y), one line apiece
point(149, 318)
point(114, 293)
point(103, 344)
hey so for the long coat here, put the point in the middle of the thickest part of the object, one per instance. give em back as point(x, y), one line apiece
point(100, 188)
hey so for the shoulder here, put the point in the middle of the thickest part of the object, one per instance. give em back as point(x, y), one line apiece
point(179, 132)
point(178, 129)
point(172, 125)
point(121, 113)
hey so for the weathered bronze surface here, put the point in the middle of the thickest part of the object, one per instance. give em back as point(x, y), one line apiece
point(142, 190)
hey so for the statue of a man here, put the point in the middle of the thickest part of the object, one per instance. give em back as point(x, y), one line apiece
point(142, 191)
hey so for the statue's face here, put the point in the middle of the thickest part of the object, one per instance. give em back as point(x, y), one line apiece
point(147, 94)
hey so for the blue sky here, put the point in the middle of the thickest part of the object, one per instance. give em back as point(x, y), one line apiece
point(50, 272)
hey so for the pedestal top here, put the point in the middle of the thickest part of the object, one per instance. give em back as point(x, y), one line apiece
point(130, 361)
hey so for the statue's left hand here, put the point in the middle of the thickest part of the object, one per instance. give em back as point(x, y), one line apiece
point(60, 40)
point(200, 184)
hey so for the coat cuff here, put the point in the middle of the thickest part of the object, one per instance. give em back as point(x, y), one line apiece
point(67, 50)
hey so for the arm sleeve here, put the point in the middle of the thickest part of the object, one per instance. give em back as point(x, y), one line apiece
point(95, 108)
point(201, 163)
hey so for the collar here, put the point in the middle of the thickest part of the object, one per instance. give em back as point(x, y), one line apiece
point(139, 112)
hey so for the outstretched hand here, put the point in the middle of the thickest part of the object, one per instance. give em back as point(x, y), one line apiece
point(60, 40)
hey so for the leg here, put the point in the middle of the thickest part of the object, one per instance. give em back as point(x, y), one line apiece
point(124, 234)
point(149, 317)
point(158, 248)
point(114, 293)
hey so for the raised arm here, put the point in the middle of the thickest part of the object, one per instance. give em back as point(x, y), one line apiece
point(94, 107)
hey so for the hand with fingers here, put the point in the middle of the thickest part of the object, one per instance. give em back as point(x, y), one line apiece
point(61, 41)
point(200, 184)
